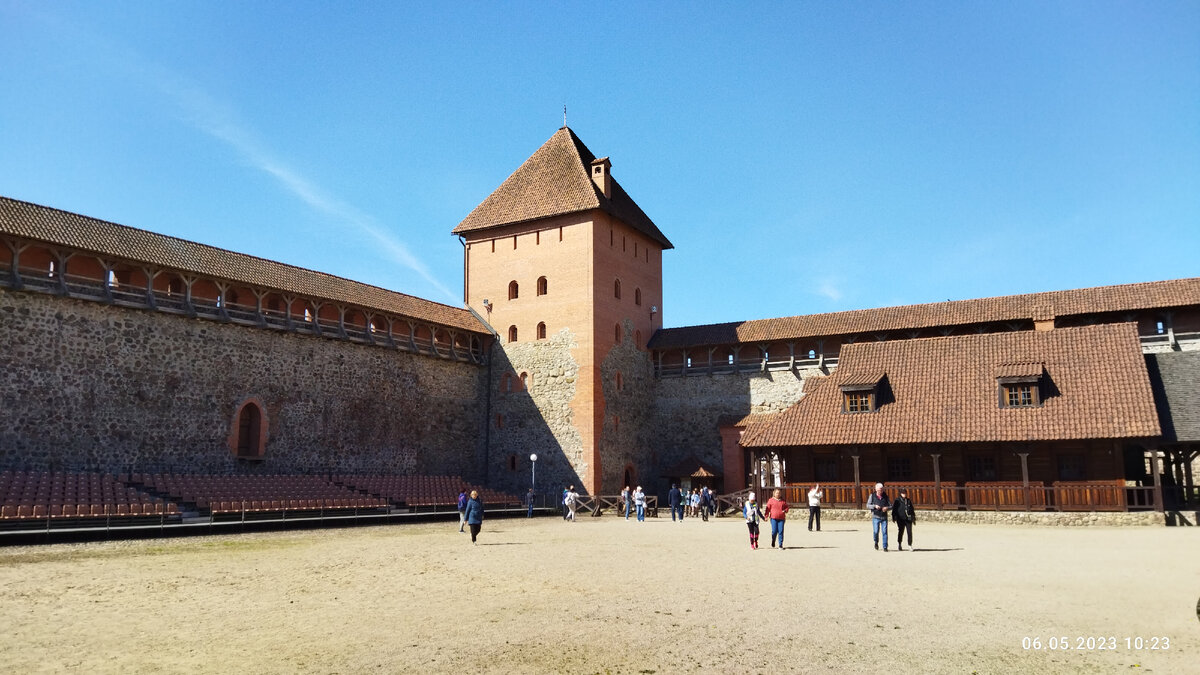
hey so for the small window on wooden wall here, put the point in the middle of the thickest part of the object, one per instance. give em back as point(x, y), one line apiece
point(899, 468)
point(1072, 467)
point(981, 468)
point(542, 286)
point(825, 469)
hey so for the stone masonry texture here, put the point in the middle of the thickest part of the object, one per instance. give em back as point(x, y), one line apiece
point(87, 386)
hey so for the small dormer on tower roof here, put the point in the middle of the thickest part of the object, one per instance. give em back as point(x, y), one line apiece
point(602, 176)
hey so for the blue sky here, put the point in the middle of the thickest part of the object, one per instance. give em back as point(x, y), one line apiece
point(803, 157)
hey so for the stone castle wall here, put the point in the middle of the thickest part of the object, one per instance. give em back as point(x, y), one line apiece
point(630, 434)
point(689, 409)
point(84, 385)
point(536, 417)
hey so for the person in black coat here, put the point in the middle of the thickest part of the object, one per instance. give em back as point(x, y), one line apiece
point(474, 514)
point(675, 500)
point(904, 515)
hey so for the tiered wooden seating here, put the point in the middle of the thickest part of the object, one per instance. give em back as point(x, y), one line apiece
point(422, 490)
point(54, 495)
point(241, 494)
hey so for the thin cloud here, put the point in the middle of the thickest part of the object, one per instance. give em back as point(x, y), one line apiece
point(827, 288)
point(221, 122)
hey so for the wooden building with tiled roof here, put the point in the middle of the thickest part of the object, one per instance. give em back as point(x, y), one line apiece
point(1026, 408)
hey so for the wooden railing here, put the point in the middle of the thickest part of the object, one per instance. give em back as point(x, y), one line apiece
point(1097, 495)
point(596, 504)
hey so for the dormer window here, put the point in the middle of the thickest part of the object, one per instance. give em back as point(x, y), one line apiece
point(1020, 385)
point(859, 401)
point(860, 393)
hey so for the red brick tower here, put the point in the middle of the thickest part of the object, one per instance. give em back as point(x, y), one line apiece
point(566, 268)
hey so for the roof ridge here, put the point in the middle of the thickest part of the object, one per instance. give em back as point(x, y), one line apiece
point(166, 238)
point(1035, 294)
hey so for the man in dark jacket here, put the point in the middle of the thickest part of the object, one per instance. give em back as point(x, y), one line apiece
point(675, 500)
point(879, 504)
point(904, 515)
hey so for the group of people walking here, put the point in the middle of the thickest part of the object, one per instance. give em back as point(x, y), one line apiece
point(702, 502)
point(634, 501)
point(699, 503)
point(902, 512)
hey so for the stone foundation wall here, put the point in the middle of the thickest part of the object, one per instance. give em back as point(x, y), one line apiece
point(1052, 519)
point(84, 385)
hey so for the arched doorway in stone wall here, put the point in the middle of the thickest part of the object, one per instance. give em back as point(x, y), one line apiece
point(630, 476)
point(248, 435)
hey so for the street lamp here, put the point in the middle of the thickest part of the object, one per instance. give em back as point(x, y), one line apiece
point(533, 464)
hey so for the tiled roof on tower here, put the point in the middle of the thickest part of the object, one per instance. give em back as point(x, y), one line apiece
point(555, 181)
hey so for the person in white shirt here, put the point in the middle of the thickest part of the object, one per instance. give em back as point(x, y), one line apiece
point(572, 501)
point(815, 496)
point(639, 502)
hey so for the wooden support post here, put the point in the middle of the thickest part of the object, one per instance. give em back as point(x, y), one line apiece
point(937, 478)
point(857, 482)
point(1154, 472)
point(1025, 476)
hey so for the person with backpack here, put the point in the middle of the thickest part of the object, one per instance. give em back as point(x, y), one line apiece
point(462, 509)
point(904, 515)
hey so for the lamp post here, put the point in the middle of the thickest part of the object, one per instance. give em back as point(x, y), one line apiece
point(533, 464)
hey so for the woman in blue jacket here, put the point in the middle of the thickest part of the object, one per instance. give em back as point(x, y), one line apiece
point(474, 514)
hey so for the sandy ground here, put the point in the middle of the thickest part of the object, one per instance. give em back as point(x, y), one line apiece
point(604, 595)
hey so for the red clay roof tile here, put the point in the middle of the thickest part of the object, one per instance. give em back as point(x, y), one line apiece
point(944, 390)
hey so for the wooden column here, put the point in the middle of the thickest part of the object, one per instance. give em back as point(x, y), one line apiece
point(1025, 476)
point(857, 481)
point(937, 477)
point(1154, 472)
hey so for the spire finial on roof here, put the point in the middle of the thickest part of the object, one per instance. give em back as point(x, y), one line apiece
point(564, 115)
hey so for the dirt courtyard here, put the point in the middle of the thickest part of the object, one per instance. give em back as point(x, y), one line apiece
point(604, 595)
